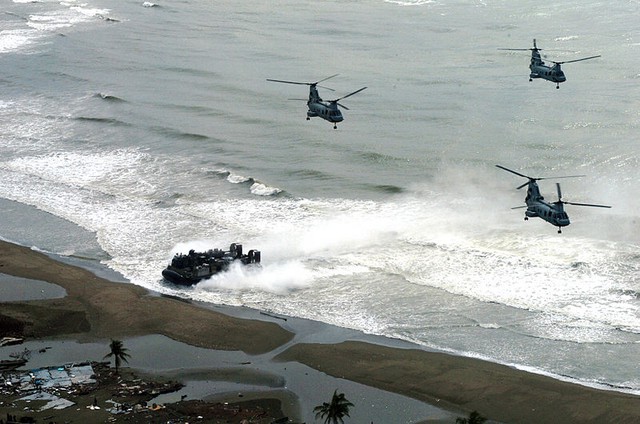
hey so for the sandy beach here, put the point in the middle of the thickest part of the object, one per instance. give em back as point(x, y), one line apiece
point(95, 309)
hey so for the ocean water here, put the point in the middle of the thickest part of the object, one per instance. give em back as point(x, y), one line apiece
point(152, 128)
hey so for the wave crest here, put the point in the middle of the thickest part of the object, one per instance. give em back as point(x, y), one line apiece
point(109, 98)
point(255, 187)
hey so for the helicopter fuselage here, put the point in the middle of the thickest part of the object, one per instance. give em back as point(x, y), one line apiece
point(326, 110)
point(541, 70)
point(552, 73)
point(537, 207)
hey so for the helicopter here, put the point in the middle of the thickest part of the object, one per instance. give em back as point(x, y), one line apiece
point(541, 70)
point(536, 206)
point(327, 110)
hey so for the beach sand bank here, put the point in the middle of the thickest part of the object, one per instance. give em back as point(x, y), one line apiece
point(96, 309)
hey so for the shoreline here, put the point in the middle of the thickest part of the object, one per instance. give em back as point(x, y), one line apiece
point(155, 353)
point(455, 383)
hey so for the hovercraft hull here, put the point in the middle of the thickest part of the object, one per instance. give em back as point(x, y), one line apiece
point(189, 269)
point(176, 278)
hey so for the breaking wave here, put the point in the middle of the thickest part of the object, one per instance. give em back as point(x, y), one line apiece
point(255, 187)
point(110, 98)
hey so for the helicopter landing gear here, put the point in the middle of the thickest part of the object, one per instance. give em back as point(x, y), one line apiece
point(335, 127)
point(557, 86)
point(308, 119)
point(526, 218)
point(530, 79)
point(559, 230)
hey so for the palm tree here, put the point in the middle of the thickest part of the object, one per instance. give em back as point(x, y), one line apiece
point(334, 411)
point(118, 352)
point(474, 418)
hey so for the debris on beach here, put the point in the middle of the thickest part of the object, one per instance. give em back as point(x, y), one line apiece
point(57, 385)
point(74, 390)
point(53, 401)
point(48, 384)
point(10, 341)
point(256, 412)
point(11, 364)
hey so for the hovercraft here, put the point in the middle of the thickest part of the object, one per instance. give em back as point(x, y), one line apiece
point(189, 269)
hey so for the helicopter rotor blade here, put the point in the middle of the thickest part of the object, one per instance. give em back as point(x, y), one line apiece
point(533, 49)
point(532, 178)
point(560, 201)
point(517, 173)
point(342, 106)
point(562, 176)
point(586, 204)
point(326, 78)
point(551, 178)
point(350, 94)
point(537, 179)
point(303, 83)
point(559, 192)
point(575, 60)
point(289, 82)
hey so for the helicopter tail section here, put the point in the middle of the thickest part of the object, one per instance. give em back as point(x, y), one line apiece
point(536, 59)
point(313, 94)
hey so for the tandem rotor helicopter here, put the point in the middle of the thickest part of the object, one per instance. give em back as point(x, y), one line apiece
point(536, 206)
point(327, 110)
point(540, 70)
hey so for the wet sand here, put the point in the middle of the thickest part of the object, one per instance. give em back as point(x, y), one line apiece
point(98, 309)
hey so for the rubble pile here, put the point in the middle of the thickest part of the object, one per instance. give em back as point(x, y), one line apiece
point(65, 380)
